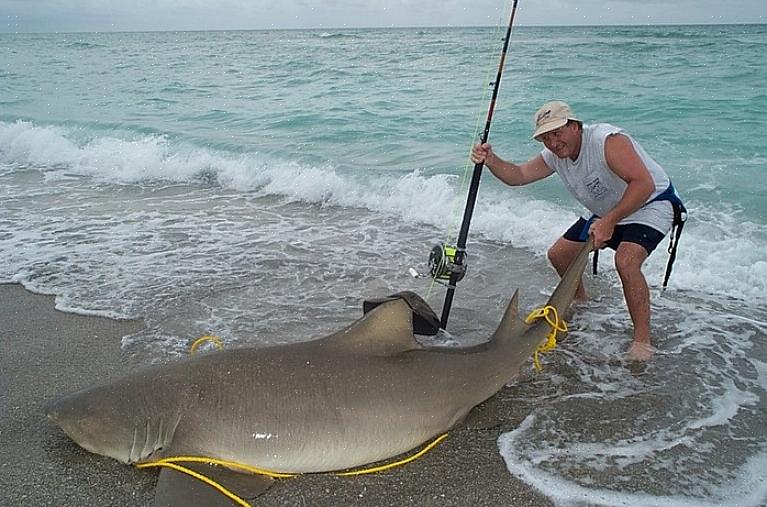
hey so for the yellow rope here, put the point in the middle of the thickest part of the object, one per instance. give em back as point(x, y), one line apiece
point(389, 466)
point(172, 463)
point(221, 462)
point(552, 317)
point(209, 338)
point(210, 482)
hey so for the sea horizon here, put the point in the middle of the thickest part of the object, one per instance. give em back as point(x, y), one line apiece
point(393, 27)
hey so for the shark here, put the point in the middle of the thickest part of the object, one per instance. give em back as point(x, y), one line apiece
point(364, 394)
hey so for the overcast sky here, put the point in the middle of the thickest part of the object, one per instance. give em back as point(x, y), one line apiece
point(119, 15)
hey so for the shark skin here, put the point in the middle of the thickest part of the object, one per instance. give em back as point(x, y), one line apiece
point(361, 395)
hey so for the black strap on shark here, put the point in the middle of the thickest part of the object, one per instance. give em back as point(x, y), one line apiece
point(460, 249)
point(680, 217)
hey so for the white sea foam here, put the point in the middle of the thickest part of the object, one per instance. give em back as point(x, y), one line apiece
point(748, 486)
point(652, 437)
point(719, 252)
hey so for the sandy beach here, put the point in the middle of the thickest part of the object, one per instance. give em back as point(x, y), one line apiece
point(47, 353)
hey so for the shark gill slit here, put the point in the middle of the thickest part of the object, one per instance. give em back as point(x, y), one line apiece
point(131, 453)
point(158, 441)
point(145, 450)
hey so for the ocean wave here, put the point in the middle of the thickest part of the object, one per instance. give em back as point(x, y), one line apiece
point(338, 35)
point(720, 252)
point(85, 45)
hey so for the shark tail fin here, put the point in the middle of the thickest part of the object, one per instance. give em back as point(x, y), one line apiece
point(510, 321)
point(565, 292)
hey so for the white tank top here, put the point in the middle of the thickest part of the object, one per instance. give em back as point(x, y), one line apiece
point(591, 181)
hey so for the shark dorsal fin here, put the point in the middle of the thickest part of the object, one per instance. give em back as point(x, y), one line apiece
point(510, 321)
point(385, 330)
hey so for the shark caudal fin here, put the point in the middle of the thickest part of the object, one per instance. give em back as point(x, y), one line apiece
point(565, 292)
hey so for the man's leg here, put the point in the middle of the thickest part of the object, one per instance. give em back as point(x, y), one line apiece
point(561, 255)
point(629, 258)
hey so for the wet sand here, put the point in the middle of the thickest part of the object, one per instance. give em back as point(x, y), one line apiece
point(46, 353)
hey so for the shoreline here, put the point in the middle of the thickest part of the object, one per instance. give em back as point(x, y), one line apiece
point(39, 465)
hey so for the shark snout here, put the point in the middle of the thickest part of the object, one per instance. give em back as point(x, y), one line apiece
point(55, 410)
point(68, 415)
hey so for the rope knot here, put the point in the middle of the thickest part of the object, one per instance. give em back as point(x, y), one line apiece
point(552, 318)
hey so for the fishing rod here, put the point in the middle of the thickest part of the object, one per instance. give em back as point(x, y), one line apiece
point(452, 259)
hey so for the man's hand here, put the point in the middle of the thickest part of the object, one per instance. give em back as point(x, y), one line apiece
point(601, 230)
point(481, 153)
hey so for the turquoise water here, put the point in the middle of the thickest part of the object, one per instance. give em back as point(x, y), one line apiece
point(373, 106)
point(259, 184)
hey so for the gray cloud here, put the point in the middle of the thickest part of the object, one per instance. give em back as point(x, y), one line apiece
point(93, 15)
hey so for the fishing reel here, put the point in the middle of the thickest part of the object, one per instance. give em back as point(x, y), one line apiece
point(442, 265)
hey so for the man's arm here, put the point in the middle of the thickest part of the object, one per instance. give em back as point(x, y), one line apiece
point(508, 172)
point(624, 161)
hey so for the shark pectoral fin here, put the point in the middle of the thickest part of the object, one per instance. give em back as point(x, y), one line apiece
point(482, 418)
point(177, 489)
point(387, 329)
point(510, 321)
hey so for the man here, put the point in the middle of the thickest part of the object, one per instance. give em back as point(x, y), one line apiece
point(617, 181)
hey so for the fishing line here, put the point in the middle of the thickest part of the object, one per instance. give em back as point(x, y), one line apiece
point(451, 264)
point(463, 185)
point(464, 181)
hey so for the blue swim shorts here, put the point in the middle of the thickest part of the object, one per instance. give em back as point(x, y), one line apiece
point(643, 235)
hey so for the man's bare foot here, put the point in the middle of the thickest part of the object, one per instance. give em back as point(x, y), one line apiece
point(640, 351)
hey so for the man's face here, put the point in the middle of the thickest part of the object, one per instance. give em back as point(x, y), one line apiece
point(564, 141)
